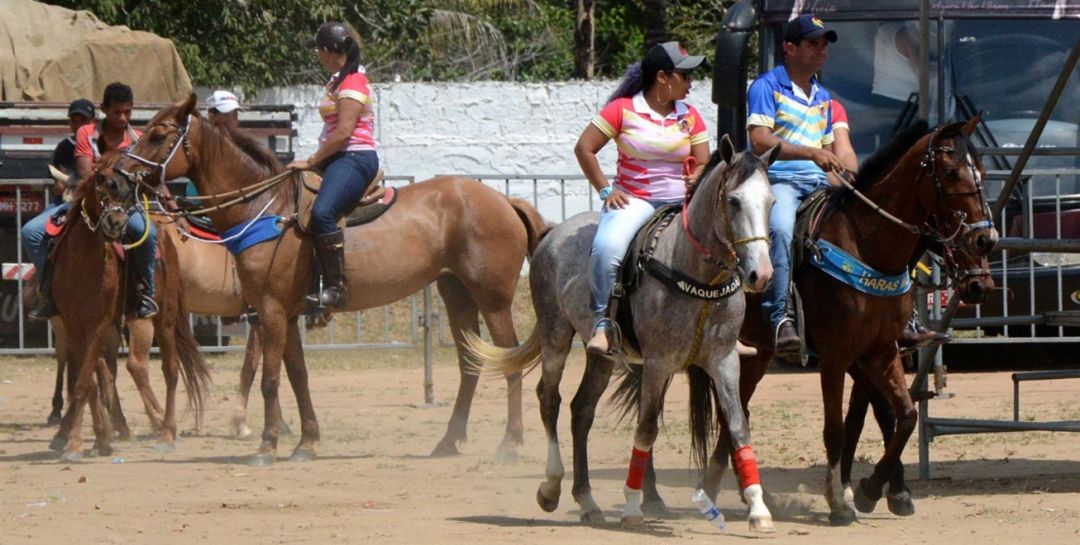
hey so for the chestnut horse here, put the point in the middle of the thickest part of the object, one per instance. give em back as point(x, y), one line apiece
point(930, 185)
point(466, 236)
point(90, 291)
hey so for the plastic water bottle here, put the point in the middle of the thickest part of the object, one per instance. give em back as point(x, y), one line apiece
point(709, 509)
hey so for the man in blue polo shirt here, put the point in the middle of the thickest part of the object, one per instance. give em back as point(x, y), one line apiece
point(787, 106)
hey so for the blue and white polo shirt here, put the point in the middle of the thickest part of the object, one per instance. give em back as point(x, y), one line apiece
point(774, 102)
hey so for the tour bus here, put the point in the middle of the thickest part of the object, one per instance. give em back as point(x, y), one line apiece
point(1000, 58)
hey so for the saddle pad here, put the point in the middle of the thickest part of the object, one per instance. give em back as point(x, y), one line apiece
point(55, 223)
point(367, 212)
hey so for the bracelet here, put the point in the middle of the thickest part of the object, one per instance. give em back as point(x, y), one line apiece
point(605, 192)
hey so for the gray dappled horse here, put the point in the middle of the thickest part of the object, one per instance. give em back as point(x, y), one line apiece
point(726, 217)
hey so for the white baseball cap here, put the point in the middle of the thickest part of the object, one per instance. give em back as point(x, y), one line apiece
point(223, 101)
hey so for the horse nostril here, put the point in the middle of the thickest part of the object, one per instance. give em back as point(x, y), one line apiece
point(752, 278)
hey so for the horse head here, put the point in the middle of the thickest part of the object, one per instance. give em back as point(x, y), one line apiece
point(109, 196)
point(164, 151)
point(961, 217)
point(744, 198)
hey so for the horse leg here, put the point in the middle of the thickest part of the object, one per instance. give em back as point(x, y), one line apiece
point(832, 392)
point(85, 391)
point(59, 439)
point(752, 370)
point(652, 397)
point(463, 315)
point(891, 384)
point(274, 330)
point(726, 379)
point(116, 412)
point(106, 384)
point(170, 369)
point(141, 335)
point(553, 361)
point(296, 368)
point(58, 391)
point(501, 326)
point(252, 354)
point(582, 412)
point(858, 404)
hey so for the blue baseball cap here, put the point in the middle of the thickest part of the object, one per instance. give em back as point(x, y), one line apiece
point(809, 26)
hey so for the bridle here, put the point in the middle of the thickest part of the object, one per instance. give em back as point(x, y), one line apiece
point(180, 140)
point(731, 260)
point(959, 240)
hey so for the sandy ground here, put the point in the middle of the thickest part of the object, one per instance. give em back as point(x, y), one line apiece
point(374, 483)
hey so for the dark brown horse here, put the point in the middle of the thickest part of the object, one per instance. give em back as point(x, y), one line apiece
point(469, 238)
point(90, 291)
point(931, 184)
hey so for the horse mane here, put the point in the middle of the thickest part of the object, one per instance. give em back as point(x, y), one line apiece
point(743, 163)
point(881, 163)
point(250, 148)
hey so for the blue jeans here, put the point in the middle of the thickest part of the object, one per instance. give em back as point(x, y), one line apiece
point(142, 256)
point(616, 231)
point(788, 194)
point(34, 239)
point(346, 178)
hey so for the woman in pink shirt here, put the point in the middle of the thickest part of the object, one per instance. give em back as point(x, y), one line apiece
point(655, 132)
point(346, 153)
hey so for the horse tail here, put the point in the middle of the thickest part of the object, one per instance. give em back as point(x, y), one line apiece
point(704, 406)
point(482, 355)
point(627, 396)
point(534, 222)
point(193, 368)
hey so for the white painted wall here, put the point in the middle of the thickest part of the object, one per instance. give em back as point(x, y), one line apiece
point(425, 129)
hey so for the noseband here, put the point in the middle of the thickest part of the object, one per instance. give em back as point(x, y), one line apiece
point(963, 228)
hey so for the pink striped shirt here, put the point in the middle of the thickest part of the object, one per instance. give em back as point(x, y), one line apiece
point(355, 87)
point(651, 148)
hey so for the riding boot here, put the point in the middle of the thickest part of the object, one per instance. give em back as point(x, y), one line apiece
point(145, 305)
point(916, 335)
point(330, 250)
point(46, 307)
point(788, 344)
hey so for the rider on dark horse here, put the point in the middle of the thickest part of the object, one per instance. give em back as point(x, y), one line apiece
point(91, 142)
point(787, 105)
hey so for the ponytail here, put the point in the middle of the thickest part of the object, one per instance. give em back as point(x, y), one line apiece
point(636, 78)
point(352, 62)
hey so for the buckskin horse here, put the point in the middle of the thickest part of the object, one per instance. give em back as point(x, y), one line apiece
point(91, 294)
point(467, 237)
point(721, 241)
point(921, 187)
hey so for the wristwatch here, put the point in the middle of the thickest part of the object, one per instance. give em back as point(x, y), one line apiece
point(605, 192)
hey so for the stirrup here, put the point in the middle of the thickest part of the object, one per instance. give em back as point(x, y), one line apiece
point(147, 307)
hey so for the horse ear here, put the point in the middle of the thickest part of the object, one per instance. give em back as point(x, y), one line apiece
point(185, 109)
point(770, 156)
point(972, 124)
point(727, 149)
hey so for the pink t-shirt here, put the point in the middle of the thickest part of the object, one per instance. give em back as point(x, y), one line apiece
point(651, 148)
point(354, 87)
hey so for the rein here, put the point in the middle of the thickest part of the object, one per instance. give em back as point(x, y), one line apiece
point(729, 241)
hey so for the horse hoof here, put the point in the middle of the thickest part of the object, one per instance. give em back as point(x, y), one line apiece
point(762, 525)
point(901, 504)
point(105, 450)
point(864, 502)
point(844, 517)
point(446, 447)
point(261, 459)
point(632, 522)
point(657, 509)
point(71, 456)
point(242, 431)
point(123, 435)
point(547, 501)
point(57, 444)
point(163, 447)
point(594, 517)
point(54, 420)
point(302, 455)
point(506, 455)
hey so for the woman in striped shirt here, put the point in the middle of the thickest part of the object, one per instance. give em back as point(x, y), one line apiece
point(655, 132)
point(346, 153)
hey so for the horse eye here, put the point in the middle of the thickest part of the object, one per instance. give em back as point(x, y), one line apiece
point(156, 138)
point(734, 202)
point(952, 174)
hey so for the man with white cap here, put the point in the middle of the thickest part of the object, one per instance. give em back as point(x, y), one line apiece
point(224, 109)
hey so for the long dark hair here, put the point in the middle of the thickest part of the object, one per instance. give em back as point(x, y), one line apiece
point(638, 77)
point(352, 61)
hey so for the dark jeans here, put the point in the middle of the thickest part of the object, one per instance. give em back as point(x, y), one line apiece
point(346, 178)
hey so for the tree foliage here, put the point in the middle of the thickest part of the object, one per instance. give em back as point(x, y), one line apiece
point(257, 43)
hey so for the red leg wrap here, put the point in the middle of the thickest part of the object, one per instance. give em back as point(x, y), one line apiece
point(746, 466)
point(639, 460)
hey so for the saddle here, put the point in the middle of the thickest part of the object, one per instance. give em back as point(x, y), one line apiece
point(808, 220)
point(374, 203)
point(627, 280)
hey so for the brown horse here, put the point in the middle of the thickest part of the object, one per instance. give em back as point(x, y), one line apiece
point(93, 308)
point(466, 236)
point(931, 185)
